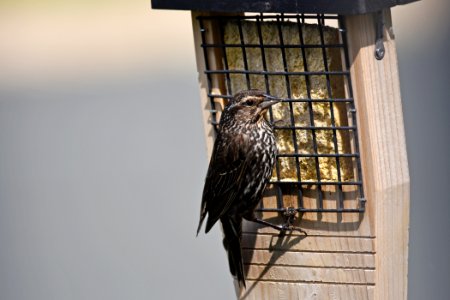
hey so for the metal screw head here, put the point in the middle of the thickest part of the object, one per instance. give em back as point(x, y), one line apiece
point(379, 49)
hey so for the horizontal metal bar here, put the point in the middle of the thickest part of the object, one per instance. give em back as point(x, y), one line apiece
point(324, 210)
point(316, 127)
point(277, 46)
point(356, 183)
point(294, 100)
point(306, 100)
point(281, 73)
point(318, 155)
point(220, 96)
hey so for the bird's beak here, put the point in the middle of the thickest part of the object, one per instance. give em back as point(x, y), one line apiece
point(268, 101)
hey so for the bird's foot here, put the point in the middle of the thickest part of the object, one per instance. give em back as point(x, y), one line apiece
point(281, 228)
point(290, 215)
point(290, 227)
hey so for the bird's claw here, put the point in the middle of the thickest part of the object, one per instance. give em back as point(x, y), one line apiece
point(290, 227)
point(290, 215)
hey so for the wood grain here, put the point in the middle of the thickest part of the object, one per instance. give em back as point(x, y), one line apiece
point(376, 90)
point(310, 259)
point(265, 290)
point(310, 274)
point(309, 243)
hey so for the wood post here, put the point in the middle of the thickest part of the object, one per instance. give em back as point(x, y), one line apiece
point(376, 90)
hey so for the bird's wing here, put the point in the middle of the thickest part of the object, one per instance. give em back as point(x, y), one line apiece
point(223, 182)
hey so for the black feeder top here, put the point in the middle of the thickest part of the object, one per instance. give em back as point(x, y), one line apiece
point(342, 7)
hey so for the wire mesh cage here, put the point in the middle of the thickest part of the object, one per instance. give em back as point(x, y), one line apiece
point(303, 59)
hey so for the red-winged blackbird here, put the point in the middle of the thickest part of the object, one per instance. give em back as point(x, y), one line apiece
point(241, 164)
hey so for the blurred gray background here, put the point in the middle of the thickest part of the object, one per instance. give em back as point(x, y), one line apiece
point(102, 155)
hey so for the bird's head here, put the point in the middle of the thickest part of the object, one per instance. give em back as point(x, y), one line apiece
point(249, 106)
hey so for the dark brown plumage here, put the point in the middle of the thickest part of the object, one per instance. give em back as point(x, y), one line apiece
point(241, 164)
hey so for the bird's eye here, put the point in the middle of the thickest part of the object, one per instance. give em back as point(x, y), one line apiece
point(249, 102)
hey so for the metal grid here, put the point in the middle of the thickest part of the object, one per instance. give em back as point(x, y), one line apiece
point(225, 74)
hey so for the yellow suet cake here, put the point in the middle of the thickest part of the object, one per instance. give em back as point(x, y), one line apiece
point(321, 111)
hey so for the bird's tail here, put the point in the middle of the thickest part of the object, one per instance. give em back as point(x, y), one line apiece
point(232, 230)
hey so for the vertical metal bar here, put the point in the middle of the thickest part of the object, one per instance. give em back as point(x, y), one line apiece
point(311, 112)
point(266, 80)
point(244, 52)
point(333, 120)
point(225, 58)
point(352, 110)
point(263, 56)
point(208, 76)
point(289, 94)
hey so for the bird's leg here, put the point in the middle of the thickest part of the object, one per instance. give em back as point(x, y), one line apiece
point(288, 226)
point(262, 222)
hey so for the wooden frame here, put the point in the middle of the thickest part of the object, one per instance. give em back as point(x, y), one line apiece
point(383, 148)
point(356, 256)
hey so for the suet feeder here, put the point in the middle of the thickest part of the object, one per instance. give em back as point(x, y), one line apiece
point(342, 171)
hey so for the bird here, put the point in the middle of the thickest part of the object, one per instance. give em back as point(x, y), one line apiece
point(241, 164)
